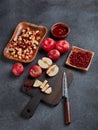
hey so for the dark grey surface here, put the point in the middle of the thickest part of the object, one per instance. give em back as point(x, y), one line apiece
point(82, 16)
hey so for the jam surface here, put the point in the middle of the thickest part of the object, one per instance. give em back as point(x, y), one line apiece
point(80, 59)
point(60, 30)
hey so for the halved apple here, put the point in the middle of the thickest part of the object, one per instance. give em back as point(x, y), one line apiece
point(53, 70)
point(45, 62)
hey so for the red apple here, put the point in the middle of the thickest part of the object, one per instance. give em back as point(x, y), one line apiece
point(17, 69)
point(54, 54)
point(62, 46)
point(48, 44)
point(35, 71)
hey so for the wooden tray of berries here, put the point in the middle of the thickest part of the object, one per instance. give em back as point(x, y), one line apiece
point(80, 58)
point(25, 41)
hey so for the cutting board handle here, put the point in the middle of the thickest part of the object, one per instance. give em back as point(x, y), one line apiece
point(31, 107)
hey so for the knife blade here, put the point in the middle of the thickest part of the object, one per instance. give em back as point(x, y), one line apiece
point(66, 99)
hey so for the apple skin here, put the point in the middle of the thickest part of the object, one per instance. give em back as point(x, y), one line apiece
point(48, 44)
point(17, 69)
point(54, 54)
point(35, 71)
point(62, 46)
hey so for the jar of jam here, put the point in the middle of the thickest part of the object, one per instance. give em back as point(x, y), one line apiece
point(60, 30)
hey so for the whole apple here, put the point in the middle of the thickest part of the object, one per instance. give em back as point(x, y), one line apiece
point(35, 71)
point(48, 44)
point(17, 69)
point(54, 54)
point(62, 46)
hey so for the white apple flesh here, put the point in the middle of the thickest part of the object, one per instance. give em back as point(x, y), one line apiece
point(43, 84)
point(52, 71)
point(37, 83)
point(45, 62)
point(48, 91)
point(45, 88)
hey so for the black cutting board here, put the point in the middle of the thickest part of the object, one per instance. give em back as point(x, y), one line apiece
point(37, 96)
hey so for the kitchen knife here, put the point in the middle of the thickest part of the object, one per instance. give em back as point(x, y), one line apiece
point(66, 99)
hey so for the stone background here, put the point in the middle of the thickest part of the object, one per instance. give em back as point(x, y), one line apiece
point(82, 17)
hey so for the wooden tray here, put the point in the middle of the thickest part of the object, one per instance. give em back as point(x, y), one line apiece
point(18, 30)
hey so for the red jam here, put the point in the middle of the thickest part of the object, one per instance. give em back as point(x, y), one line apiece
point(80, 59)
point(60, 30)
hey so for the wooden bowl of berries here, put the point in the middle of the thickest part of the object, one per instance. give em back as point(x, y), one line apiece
point(60, 30)
point(80, 58)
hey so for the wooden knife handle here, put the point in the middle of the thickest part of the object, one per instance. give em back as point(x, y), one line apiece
point(30, 107)
point(67, 112)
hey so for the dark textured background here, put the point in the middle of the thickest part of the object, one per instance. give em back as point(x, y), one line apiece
point(82, 16)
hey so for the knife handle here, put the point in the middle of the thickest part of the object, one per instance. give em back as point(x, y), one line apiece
point(67, 112)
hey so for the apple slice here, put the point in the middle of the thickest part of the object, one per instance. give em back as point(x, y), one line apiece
point(45, 88)
point(49, 90)
point(45, 62)
point(53, 70)
point(37, 83)
point(43, 84)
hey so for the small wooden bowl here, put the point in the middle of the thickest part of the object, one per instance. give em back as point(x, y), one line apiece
point(60, 30)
